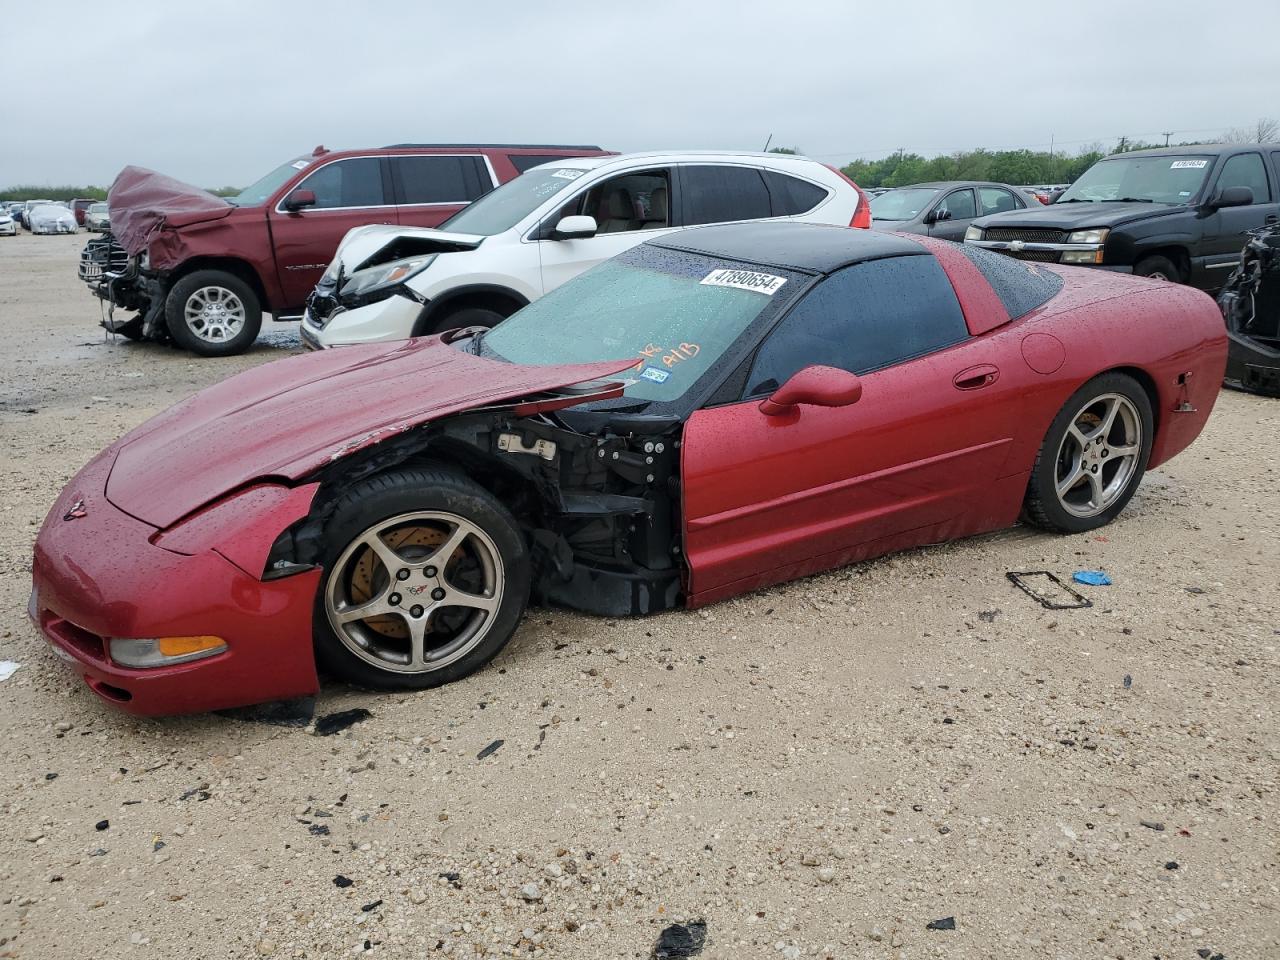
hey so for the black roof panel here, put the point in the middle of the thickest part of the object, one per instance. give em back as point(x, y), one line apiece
point(811, 247)
point(492, 146)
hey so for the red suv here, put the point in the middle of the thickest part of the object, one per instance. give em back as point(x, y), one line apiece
point(201, 269)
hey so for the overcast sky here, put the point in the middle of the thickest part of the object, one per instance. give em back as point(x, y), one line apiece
point(220, 92)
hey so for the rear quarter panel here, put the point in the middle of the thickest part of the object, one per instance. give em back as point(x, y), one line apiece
point(1171, 337)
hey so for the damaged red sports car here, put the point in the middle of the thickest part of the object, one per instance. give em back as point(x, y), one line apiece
point(711, 412)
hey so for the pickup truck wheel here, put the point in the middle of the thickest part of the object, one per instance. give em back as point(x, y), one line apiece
point(1158, 268)
point(426, 579)
point(213, 313)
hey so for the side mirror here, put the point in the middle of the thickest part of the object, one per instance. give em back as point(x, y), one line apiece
point(1233, 197)
point(575, 228)
point(937, 216)
point(816, 385)
point(299, 199)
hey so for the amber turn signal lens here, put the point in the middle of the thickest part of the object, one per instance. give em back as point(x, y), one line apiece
point(181, 646)
point(163, 651)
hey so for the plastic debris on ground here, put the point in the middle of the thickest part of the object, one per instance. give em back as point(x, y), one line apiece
point(8, 668)
point(332, 723)
point(681, 940)
point(280, 713)
point(946, 923)
point(1091, 578)
point(490, 750)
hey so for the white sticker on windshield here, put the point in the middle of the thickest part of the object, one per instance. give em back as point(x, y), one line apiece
point(300, 164)
point(765, 283)
point(1188, 164)
point(568, 174)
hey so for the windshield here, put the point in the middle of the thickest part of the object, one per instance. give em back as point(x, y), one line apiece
point(1162, 179)
point(901, 204)
point(513, 201)
point(259, 193)
point(676, 313)
point(97, 208)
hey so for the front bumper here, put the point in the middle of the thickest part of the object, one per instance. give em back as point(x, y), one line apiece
point(1044, 252)
point(1252, 365)
point(387, 320)
point(98, 576)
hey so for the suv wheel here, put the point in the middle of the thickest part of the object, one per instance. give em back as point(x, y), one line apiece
point(1158, 268)
point(213, 313)
point(469, 317)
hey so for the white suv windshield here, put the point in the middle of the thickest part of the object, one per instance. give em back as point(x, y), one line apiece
point(1160, 179)
point(513, 201)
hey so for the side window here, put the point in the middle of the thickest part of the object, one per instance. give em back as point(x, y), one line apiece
point(995, 200)
point(714, 194)
point(441, 179)
point(632, 201)
point(347, 183)
point(862, 318)
point(791, 196)
point(960, 203)
point(1246, 170)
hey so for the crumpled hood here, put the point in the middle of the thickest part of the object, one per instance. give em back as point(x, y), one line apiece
point(287, 418)
point(1079, 216)
point(140, 201)
point(362, 243)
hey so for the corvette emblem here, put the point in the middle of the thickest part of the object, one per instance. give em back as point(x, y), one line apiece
point(77, 510)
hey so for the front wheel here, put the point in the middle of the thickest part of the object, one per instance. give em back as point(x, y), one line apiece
point(426, 578)
point(213, 313)
point(1158, 268)
point(1093, 456)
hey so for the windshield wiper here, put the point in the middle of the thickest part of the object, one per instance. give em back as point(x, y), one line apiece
point(1133, 200)
point(1075, 200)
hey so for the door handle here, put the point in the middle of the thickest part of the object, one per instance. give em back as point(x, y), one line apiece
point(974, 378)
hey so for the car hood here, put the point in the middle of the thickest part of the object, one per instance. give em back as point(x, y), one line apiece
point(141, 201)
point(1080, 216)
point(288, 418)
point(379, 243)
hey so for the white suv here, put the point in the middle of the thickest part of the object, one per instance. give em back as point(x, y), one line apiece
point(547, 226)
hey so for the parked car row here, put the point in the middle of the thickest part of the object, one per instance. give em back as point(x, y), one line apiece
point(37, 216)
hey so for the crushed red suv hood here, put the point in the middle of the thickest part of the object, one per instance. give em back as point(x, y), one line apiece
point(140, 201)
point(285, 419)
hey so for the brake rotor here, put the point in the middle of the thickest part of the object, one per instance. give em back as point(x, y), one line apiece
point(365, 571)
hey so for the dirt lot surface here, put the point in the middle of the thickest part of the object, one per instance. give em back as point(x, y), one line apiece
point(820, 769)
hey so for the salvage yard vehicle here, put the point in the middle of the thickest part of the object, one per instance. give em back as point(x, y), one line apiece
point(49, 218)
point(201, 269)
point(708, 413)
point(8, 226)
point(97, 219)
point(1250, 303)
point(1177, 213)
point(944, 209)
point(549, 225)
point(79, 207)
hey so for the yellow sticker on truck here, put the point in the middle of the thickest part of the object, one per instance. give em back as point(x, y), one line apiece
point(765, 283)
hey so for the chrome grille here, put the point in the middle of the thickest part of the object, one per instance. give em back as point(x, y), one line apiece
point(1025, 234)
point(1036, 256)
point(100, 256)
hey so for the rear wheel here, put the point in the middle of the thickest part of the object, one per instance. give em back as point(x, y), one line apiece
point(426, 578)
point(1158, 268)
point(1093, 456)
point(213, 313)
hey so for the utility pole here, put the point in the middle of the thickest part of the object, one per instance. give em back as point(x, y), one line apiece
point(1123, 143)
point(1051, 179)
point(1167, 135)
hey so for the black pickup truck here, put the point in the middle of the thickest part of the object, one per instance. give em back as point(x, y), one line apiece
point(1179, 213)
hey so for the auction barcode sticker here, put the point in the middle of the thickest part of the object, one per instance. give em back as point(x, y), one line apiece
point(568, 173)
point(765, 283)
point(1188, 164)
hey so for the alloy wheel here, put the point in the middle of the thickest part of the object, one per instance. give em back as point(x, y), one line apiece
point(1098, 455)
point(214, 314)
point(416, 592)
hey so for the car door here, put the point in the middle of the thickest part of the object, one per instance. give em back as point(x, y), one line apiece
point(431, 188)
point(919, 456)
point(1225, 230)
point(350, 192)
point(629, 208)
point(960, 209)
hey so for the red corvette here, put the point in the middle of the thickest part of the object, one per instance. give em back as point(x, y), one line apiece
point(794, 398)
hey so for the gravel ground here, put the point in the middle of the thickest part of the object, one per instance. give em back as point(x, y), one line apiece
point(820, 769)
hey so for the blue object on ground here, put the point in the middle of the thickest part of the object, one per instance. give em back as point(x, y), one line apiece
point(1094, 578)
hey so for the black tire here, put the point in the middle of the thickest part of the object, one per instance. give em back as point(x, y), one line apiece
point(1159, 268)
point(1043, 505)
point(381, 500)
point(467, 317)
point(182, 292)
